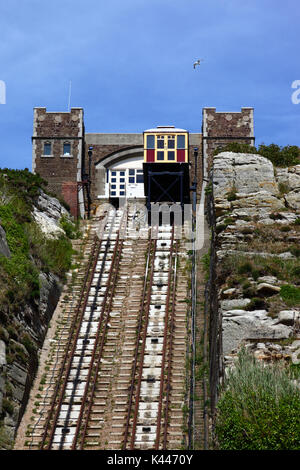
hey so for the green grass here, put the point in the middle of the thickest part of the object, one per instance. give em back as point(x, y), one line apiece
point(259, 408)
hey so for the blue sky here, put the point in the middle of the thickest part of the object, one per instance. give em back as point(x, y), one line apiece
point(131, 65)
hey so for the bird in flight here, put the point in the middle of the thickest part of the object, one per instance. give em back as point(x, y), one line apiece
point(197, 62)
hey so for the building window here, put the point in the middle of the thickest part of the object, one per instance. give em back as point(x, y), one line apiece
point(171, 155)
point(47, 148)
point(160, 155)
point(131, 179)
point(67, 149)
point(181, 141)
point(150, 141)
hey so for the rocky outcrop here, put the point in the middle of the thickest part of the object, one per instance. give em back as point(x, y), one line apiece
point(256, 241)
point(243, 173)
point(47, 213)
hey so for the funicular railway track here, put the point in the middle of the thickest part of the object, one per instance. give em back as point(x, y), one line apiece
point(122, 372)
point(83, 344)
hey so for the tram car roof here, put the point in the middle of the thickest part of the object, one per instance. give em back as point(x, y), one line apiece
point(165, 129)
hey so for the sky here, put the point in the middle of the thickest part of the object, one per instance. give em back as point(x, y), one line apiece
point(130, 64)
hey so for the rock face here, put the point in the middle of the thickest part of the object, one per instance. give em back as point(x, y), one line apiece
point(256, 210)
point(32, 319)
point(47, 214)
point(4, 250)
point(246, 173)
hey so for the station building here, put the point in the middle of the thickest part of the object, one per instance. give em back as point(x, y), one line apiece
point(160, 162)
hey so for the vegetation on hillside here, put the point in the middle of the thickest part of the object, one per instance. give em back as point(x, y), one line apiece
point(31, 251)
point(259, 408)
point(279, 156)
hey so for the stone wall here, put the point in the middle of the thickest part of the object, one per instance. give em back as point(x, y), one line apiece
point(220, 128)
point(58, 128)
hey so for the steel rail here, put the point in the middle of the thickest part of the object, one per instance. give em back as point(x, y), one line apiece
point(159, 418)
point(95, 249)
point(110, 284)
point(140, 323)
point(170, 356)
point(101, 350)
point(69, 354)
point(147, 308)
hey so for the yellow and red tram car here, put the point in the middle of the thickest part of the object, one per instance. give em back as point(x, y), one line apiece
point(166, 144)
point(166, 165)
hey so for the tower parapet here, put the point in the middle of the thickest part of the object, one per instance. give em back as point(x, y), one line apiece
point(220, 128)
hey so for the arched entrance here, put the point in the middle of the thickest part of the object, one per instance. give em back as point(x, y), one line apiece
point(120, 175)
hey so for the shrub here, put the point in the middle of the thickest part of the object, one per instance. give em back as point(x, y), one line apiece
point(259, 408)
point(279, 156)
point(231, 195)
point(290, 295)
point(236, 147)
point(7, 406)
point(256, 304)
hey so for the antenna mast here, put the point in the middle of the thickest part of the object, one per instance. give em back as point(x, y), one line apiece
point(69, 101)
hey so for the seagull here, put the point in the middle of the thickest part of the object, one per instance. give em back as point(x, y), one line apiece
point(197, 62)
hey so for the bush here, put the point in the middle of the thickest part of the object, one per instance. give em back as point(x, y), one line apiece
point(290, 295)
point(259, 408)
point(256, 304)
point(279, 156)
point(236, 147)
point(7, 406)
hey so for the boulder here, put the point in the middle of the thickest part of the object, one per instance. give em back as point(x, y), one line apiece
point(288, 317)
point(250, 327)
point(229, 292)
point(51, 206)
point(268, 279)
point(266, 290)
point(245, 172)
point(293, 199)
point(47, 224)
point(234, 304)
point(289, 176)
